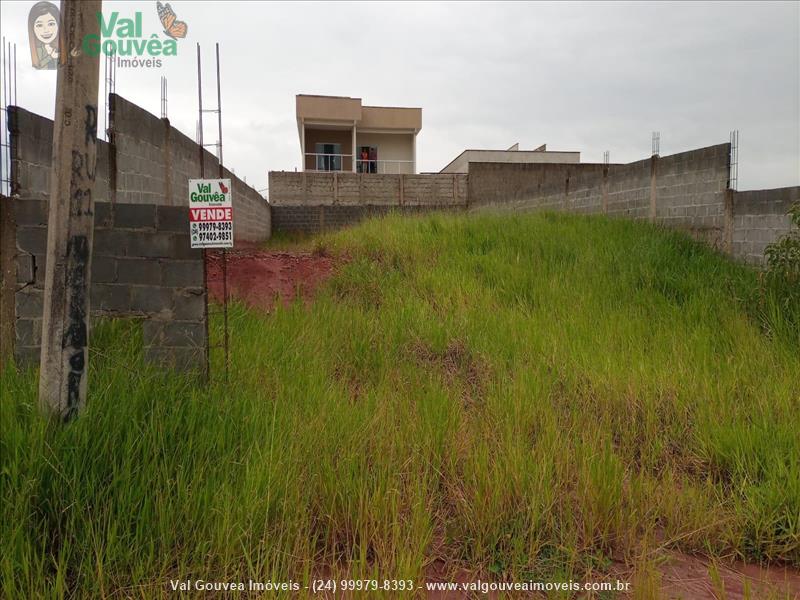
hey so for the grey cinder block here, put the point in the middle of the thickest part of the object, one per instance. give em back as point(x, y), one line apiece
point(135, 216)
point(151, 245)
point(31, 213)
point(29, 303)
point(153, 332)
point(181, 248)
point(39, 179)
point(29, 332)
point(189, 305)
point(145, 271)
point(173, 218)
point(183, 333)
point(103, 215)
point(26, 268)
point(104, 269)
point(109, 242)
point(110, 297)
point(151, 299)
point(32, 239)
point(180, 358)
point(27, 356)
point(182, 273)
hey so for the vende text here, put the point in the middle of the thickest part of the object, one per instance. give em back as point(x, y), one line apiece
point(211, 214)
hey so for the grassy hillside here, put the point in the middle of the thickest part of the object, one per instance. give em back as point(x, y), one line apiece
point(523, 397)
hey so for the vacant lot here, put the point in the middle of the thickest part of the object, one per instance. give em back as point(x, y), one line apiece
point(541, 397)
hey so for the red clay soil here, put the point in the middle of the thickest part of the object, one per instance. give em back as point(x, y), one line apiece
point(260, 278)
point(684, 576)
point(680, 577)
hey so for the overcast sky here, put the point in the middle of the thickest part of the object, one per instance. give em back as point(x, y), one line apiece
point(588, 77)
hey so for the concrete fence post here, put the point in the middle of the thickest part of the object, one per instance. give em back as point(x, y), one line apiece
point(730, 208)
point(653, 188)
point(65, 326)
point(335, 187)
point(604, 188)
point(401, 191)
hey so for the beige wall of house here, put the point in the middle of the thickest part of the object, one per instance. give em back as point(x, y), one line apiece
point(391, 147)
point(350, 110)
point(390, 117)
point(328, 108)
point(461, 163)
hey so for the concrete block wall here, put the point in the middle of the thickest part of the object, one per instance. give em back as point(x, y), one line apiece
point(760, 217)
point(142, 266)
point(32, 156)
point(628, 190)
point(525, 186)
point(148, 162)
point(154, 162)
point(587, 188)
point(139, 144)
point(690, 192)
point(685, 190)
point(312, 202)
point(318, 218)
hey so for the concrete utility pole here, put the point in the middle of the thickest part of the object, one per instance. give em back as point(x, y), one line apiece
point(70, 224)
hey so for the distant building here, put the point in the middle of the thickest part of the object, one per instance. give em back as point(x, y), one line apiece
point(337, 133)
point(460, 164)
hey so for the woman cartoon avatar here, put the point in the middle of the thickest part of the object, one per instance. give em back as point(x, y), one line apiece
point(44, 24)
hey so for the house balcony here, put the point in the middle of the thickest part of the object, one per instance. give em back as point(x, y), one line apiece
point(323, 162)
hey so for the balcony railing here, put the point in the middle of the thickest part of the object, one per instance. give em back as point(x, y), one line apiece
point(386, 167)
point(326, 162)
point(338, 162)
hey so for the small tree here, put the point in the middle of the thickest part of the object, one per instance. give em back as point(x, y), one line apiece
point(783, 256)
point(781, 282)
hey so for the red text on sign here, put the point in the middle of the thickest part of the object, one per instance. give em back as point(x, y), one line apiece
point(211, 214)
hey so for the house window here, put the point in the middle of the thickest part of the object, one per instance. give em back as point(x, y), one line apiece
point(367, 159)
point(329, 157)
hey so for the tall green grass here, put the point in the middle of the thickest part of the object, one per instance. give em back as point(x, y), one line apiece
point(522, 397)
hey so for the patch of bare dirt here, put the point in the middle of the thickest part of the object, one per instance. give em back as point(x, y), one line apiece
point(458, 364)
point(261, 278)
point(680, 576)
point(685, 576)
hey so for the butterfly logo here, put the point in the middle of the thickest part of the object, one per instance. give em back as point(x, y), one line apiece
point(223, 188)
point(172, 27)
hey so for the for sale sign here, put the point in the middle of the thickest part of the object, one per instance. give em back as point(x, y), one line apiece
point(210, 213)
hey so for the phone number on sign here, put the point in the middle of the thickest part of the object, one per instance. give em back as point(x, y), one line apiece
point(213, 236)
point(213, 226)
point(362, 585)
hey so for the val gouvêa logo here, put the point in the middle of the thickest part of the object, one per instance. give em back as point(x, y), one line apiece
point(120, 37)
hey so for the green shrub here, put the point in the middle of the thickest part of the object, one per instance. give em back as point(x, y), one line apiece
point(781, 282)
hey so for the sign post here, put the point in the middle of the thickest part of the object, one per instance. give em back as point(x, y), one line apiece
point(211, 226)
point(221, 234)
